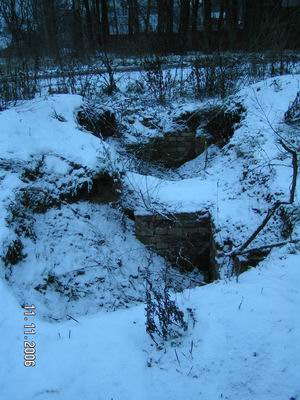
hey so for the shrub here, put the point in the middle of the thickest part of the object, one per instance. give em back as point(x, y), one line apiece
point(17, 84)
point(215, 76)
point(292, 116)
point(14, 253)
point(220, 122)
point(98, 120)
point(164, 319)
point(160, 83)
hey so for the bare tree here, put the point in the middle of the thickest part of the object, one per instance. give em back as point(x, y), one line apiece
point(104, 19)
point(207, 22)
point(221, 15)
point(184, 19)
point(133, 17)
point(115, 17)
point(147, 16)
point(17, 16)
point(232, 20)
point(165, 11)
point(89, 24)
point(77, 31)
point(195, 11)
point(97, 21)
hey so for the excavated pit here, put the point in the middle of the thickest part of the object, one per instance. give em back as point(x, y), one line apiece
point(193, 132)
point(185, 239)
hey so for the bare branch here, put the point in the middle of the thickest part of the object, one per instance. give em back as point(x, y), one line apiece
point(295, 169)
point(269, 246)
point(267, 218)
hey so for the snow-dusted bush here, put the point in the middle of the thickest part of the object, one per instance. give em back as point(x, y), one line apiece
point(292, 115)
point(136, 87)
point(159, 82)
point(164, 319)
point(215, 76)
point(13, 253)
point(101, 121)
point(19, 84)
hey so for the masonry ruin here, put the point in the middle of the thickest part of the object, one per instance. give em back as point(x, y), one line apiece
point(185, 239)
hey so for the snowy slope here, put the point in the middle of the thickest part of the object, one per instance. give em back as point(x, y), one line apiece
point(85, 257)
point(34, 128)
point(32, 132)
point(245, 344)
point(243, 179)
point(245, 341)
point(78, 257)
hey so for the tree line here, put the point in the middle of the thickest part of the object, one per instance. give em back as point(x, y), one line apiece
point(56, 27)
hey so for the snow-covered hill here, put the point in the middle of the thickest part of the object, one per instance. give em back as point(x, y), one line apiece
point(245, 344)
point(80, 263)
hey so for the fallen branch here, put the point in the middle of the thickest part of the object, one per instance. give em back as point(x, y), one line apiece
point(267, 218)
point(275, 207)
point(242, 249)
point(268, 246)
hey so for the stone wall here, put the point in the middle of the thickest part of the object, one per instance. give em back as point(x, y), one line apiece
point(171, 150)
point(185, 239)
point(194, 132)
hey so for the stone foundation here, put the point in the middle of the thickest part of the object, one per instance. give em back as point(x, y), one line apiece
point(193, 133)
point(172, 150)
point(185, 239)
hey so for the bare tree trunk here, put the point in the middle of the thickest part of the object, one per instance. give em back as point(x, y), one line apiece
point(231, 21)
point(133, 17)
point(130, 17)
point(195, 10)
point(116, 17)
point(253, 13)
point(221, 15)
point(184, 16)
point(165, 10)
point(160, 16)
point(169, 16)
point(148, 13)
point(77, 29)
point(207, 22)
point(104, 19)
point(97, 21)
point(136, 16)
point(89, 24)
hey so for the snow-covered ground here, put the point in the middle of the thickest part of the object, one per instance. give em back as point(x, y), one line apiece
point(85, 257)
point(245, 345)
point(84, 268)
point(242, 180)
point(79, 257)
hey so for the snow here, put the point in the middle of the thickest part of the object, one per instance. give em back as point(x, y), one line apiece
point(32, 128)
point(245, 345)
point(91, 338)
point(32, 137)
point(56, 166)
point(80, 257)
point(84, 259)
point(7, 185)
point(228, 186)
